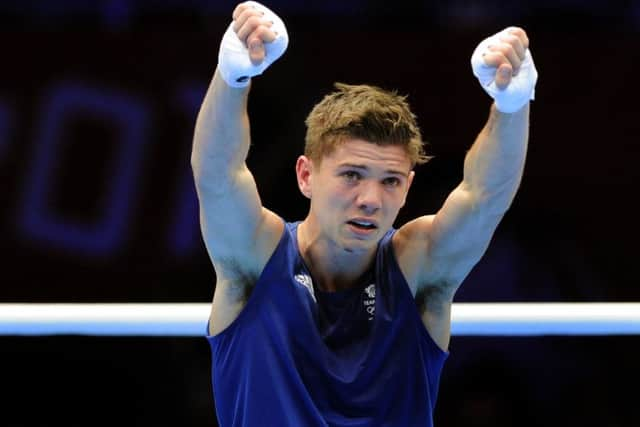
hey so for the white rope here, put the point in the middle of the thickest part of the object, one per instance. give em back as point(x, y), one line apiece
point(190, 319)
point(546, 319)
point(181, 319)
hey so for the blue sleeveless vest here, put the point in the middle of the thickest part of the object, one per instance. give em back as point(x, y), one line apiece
point(299, 357)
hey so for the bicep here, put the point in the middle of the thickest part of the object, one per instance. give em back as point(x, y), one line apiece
point(442, 249)
point(460, 232)
point(235, 227)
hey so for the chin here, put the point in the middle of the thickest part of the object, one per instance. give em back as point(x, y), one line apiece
point(361, 245)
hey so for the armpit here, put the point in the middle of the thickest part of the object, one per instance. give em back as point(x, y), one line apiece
point(434, 298)
point(233, 279)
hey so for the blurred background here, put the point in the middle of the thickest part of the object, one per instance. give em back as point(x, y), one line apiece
point(97, 109)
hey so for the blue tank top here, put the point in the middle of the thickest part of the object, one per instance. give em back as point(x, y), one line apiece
point(299, 357)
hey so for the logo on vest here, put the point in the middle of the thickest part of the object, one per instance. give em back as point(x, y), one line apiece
point(369, 300)
point(305, 280)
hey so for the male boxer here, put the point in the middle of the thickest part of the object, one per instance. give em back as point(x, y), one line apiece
point(340, 319)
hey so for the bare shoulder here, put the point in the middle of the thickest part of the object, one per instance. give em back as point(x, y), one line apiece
point(410, 245)
point(430, 278)
point(247, 259)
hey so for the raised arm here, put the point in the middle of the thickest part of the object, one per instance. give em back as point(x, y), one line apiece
point(238, 232)
point(461, 231)
point(438, 251)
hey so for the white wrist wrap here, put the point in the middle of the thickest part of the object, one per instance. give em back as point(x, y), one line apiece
point(234, 63)
point(520, 90)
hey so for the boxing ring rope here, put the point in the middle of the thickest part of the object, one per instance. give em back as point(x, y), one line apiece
point(190, 319)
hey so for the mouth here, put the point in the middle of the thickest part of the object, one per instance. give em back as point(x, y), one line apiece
point(362, 226)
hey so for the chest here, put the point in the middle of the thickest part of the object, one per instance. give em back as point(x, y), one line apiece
point(346, 317)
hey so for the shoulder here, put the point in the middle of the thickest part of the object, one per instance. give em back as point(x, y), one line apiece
point(418, 247)
point(249, 263)
point(410, 245)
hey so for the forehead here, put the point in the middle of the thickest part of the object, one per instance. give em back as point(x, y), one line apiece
point(361, 152)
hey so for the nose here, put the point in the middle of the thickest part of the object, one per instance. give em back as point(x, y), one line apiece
point(369, 198)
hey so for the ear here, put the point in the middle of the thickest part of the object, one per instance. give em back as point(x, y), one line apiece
point(304, 169)
point(410, 177)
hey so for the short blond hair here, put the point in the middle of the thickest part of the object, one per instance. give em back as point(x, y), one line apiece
point(363, 112)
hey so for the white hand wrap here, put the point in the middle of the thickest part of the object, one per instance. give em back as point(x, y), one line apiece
point(234, 63)
point(520, 90)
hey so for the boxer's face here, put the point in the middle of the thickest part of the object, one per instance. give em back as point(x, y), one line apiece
point(356, 191)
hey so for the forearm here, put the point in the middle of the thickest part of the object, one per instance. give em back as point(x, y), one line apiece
point(493, 166)
point(222, 134)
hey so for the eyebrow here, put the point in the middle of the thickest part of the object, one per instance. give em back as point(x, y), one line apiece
point(366, 168)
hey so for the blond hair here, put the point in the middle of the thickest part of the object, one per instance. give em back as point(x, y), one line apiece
point(363, 112)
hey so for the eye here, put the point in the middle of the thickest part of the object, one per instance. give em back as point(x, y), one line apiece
point(351, 176)
point(391, 182)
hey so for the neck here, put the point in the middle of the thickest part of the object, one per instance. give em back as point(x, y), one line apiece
point(332, 266)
